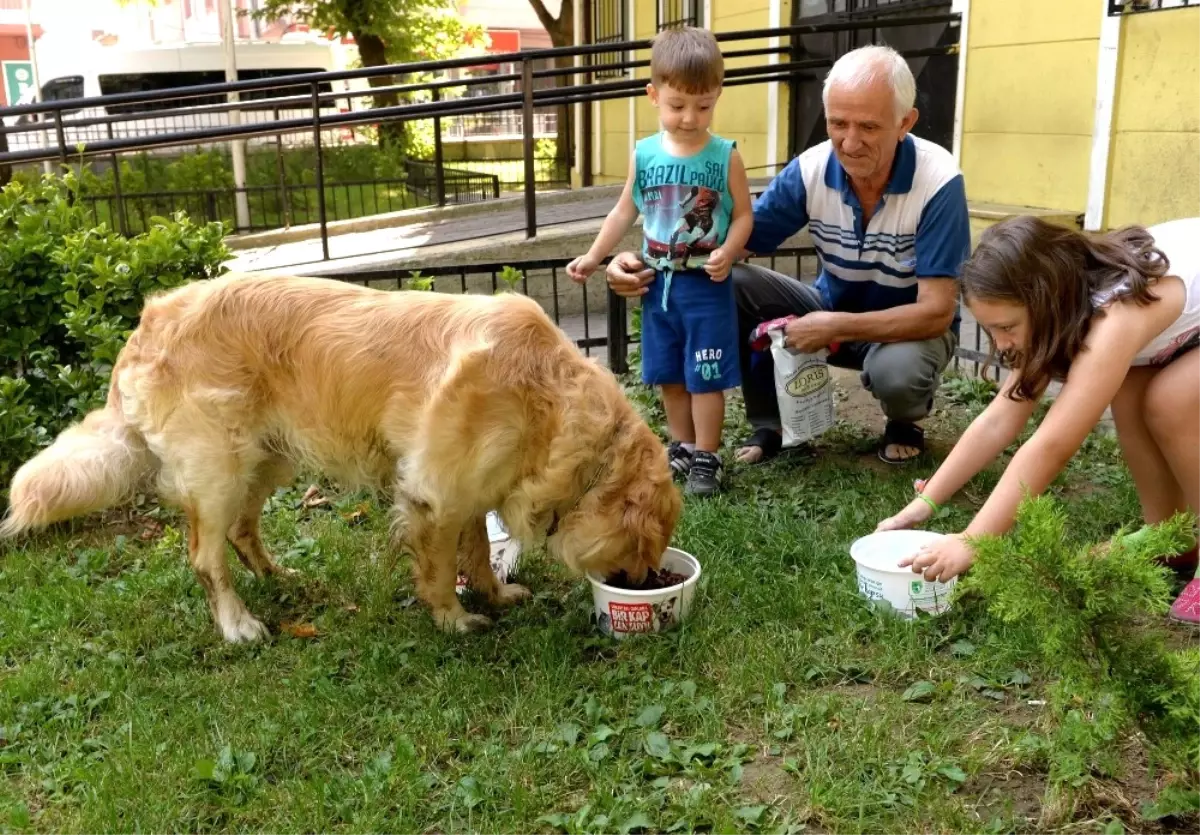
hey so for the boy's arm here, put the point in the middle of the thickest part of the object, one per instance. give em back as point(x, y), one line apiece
point(618, 221)
point(742, 221)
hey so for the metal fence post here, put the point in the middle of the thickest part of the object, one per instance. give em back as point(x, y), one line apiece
point(439, 159)
point(316, 109)
point(284, 207)
point(122, 224)
point(618, 333)
point(527, 141)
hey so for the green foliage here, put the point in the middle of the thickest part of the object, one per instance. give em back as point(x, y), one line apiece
point(388, 32)
point(416, 281)
point(69, 296)
point(1084, 610)
point(511, 278)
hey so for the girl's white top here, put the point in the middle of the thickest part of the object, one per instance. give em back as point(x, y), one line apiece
point(1179, 240)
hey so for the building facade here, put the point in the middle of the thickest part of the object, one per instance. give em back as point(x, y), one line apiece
point(1089, 109)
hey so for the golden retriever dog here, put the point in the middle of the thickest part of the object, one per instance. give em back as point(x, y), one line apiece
point(452, 405)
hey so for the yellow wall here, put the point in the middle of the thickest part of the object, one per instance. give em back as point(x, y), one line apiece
point(1030, 94)
point(1154, 159)
point(741, 114)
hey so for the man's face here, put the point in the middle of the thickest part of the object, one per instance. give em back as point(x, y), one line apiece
point(864, 128)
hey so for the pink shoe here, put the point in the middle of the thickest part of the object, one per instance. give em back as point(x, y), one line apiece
point(1186, 608)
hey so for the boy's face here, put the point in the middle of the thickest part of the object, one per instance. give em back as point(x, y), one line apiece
point(683, 114)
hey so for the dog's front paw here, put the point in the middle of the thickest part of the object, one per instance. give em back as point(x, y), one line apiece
point(459, 621)
point(510, 594)
point(239, 626)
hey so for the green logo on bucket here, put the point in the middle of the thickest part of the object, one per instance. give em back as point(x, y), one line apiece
point(917, 586)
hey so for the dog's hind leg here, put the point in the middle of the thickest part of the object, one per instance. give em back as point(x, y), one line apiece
point(208, 471)
point(474, 556)
point(244, 535)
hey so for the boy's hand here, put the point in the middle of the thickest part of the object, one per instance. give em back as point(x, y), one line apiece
point(581, 269)
point(719, 264)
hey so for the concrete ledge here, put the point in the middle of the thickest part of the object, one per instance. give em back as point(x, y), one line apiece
point(431, 214)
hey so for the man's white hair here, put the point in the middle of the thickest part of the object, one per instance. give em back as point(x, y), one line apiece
point(863, 66)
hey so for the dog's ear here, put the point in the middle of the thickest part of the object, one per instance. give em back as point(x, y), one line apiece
point(651, 513)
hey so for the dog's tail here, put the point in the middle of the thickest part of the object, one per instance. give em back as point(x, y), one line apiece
point(92, 465)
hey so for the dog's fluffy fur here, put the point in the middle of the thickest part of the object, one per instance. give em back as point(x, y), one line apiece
point(451, 405)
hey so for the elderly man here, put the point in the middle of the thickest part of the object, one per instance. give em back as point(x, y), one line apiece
point(887, 214)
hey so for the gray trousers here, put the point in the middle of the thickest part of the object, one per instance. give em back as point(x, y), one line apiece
point(903, 376)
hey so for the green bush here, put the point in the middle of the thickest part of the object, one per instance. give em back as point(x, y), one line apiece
point(69, 296)
point(1088, 615)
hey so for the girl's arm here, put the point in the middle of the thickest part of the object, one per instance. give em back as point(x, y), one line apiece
point(1094, 379)
point(996, 428)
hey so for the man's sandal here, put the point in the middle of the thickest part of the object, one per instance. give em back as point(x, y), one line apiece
point(767, 440)
point(901, 433)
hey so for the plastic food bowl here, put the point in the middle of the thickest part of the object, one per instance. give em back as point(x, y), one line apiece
point(623, 612)
point(888, 586)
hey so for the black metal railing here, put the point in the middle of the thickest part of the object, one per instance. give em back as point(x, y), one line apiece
point(1124, 7)
point(454, 186)
point(597, 319)
point(327, 118)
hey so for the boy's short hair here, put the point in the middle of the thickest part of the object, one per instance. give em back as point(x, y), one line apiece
point(688, 59)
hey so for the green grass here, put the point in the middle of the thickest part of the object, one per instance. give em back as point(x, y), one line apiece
point(783, 705)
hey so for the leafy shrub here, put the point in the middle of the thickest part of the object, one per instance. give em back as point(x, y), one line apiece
point(1085, 612)
point(69, 296)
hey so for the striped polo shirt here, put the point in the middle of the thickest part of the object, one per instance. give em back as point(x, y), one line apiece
point(920, 228)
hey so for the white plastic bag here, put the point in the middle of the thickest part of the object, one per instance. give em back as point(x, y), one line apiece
point(804, 388)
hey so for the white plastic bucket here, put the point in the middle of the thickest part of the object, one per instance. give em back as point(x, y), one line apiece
point(888, 586)
point(624, 612)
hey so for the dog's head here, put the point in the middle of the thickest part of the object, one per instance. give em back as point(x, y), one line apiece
point(626, 521)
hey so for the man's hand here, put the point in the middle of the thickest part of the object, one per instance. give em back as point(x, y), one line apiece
point(628, 276)
point(581, 269)
point(719, 264)
point(811, 333)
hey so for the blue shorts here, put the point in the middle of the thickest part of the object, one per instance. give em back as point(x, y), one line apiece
point(695, 340)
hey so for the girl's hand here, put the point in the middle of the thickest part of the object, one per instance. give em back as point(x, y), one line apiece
point(943, 560)
point(916, 512)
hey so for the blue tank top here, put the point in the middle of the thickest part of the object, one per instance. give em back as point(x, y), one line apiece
point(684, 202)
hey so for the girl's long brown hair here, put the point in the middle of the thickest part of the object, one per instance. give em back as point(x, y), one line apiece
point(1052, 272)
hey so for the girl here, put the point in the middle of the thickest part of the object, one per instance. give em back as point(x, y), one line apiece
point(1116, 319)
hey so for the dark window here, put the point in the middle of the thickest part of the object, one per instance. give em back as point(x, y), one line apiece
point(117, 83)
point(1120, 7)
point(608, 26)
point(678, 13)
point(67, 87)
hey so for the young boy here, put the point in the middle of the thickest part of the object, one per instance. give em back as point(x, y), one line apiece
point(691, 188)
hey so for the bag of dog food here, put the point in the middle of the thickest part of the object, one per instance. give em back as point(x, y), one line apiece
point(804, 388)
point(505, 552)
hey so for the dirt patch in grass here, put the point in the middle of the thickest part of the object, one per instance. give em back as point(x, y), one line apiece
point(1013, 792)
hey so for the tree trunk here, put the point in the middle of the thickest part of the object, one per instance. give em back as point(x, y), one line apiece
point(373, 53)
point(562, 33)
